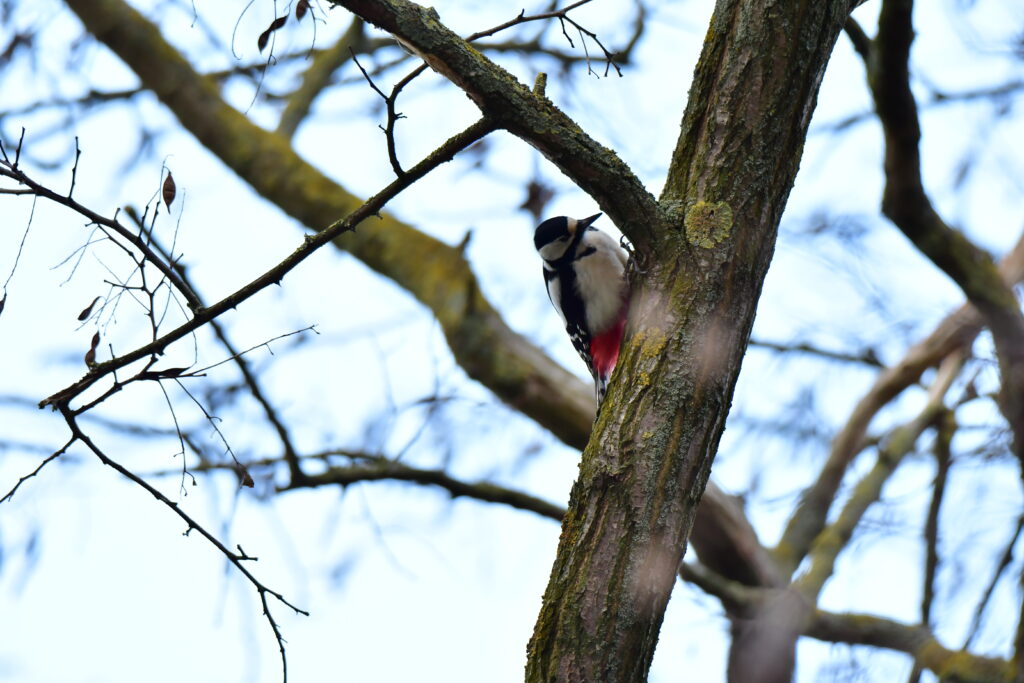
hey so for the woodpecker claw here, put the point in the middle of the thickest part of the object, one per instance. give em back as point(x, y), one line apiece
point(633, 263)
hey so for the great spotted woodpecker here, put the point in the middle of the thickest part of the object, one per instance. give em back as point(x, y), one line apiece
point(585, 274)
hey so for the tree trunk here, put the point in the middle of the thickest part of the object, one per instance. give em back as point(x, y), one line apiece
point(695, 294)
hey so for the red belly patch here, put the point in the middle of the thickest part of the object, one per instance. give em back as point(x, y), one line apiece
point(604, 348)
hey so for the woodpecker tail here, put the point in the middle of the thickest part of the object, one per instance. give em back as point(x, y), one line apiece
point(601, 387)
point(604, 352)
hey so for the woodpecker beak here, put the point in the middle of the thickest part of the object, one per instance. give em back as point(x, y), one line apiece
point(584, 223)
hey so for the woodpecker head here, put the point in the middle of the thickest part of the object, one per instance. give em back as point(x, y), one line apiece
point(554, 236)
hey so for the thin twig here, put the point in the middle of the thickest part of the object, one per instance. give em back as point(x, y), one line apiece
point(235, 355)
point(181, 440)
point(393, 116)
point(867, 357)
point(212, 420)
point(12, 171)
point(1004, 561)
point(291, 453)
point(21, 244)
point(522, 18)
point(74, 168)
point(46, 461)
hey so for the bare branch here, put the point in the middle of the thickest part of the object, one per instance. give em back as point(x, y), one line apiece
point(313, 242)
point(367, 467)
point(393, 116)
point(380, 469)
point(908, 206)
point(860, 40)
point(522, 19)
point(46, 461)
point(235, 559)
point(515, 108)
point(15, 173)
point(868, 357)
point(916, 641)
point(563, 17)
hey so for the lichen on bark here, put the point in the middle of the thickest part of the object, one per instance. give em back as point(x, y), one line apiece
point(708, 223)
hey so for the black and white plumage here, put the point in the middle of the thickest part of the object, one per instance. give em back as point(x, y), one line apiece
point(585, 274)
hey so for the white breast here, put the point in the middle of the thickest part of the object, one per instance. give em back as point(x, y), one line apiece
point(600, 279)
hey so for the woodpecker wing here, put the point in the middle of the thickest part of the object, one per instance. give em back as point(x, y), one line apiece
point(581, 342)
point(561, 288)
